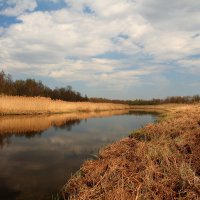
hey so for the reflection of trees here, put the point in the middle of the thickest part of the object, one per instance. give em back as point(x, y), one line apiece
point(4, 140)
point(31, 134)
point(68, 124)
point(5, 137)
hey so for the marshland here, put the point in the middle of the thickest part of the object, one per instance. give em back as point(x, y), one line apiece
point(97, 148)
point(99, 100)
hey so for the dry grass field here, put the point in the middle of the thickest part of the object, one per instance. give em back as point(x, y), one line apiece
point(41, 105)
point(159, 161)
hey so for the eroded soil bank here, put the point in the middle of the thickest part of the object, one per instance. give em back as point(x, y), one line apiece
point(160, 161)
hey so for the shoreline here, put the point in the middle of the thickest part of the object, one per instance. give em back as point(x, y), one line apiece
point(158, 161)
point(34, 114)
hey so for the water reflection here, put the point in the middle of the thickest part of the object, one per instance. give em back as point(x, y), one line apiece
point(39, 153)
point(30, 126)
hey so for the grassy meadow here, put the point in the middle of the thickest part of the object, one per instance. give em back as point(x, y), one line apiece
point(159, 161)
point(41, 105)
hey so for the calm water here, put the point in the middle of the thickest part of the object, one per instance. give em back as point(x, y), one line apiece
point(38, 154)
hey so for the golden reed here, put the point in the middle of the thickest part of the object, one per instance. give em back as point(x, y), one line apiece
point(42, 105)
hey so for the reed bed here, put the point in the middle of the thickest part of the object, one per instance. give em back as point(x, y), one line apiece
point(41, 105)
point(159, 161)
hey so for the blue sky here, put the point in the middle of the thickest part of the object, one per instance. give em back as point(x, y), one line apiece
point(119, 49)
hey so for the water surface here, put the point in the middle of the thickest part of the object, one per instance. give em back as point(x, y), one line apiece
point(39, 153)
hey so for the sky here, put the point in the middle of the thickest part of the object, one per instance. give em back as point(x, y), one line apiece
point(118, 49)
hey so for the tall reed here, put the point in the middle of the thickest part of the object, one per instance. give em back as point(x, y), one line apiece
point(40, 105)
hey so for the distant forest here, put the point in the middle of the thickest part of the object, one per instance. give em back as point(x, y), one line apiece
point(32, 88)
point(173, 99)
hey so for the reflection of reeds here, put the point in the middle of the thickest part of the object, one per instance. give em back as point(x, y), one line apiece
point(37, 123)
point(41, 105)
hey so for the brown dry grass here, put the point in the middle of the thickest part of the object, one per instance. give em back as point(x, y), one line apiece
point(41, 105)
point(160, 161)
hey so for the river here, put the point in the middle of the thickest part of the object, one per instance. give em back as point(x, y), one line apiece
point(38, 154)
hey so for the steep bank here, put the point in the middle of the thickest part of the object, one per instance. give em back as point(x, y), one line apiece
point(41, 105)
point(160, 161)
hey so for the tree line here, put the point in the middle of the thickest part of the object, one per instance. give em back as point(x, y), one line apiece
point(173, 99)
point(32, 88)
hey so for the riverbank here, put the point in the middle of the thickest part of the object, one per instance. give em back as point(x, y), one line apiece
point(15, 105)
point(159, 161)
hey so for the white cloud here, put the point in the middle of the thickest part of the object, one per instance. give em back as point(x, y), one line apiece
point(18, 7)
point(70, 42)
point(108, 9)
point(172, 14)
